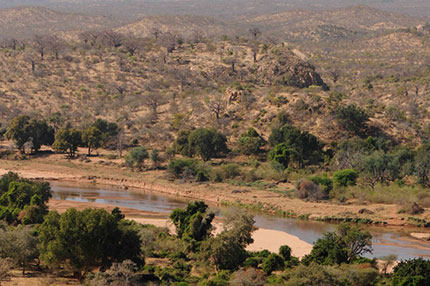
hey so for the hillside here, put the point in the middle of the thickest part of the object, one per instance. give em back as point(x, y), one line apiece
point(25, 22)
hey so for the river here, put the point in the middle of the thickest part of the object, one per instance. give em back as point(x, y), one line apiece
point(385, 240)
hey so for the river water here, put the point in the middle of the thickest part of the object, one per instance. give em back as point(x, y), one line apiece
point(385, 241)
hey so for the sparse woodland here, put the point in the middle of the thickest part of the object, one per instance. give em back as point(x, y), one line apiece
point(331, 110)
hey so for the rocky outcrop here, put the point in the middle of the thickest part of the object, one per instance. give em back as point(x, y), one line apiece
point(281, 66)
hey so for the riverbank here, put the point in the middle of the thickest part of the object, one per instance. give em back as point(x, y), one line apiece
point(263, 238)
point(58, 167)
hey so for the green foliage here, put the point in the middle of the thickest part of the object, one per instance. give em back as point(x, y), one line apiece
point(227, 249)
point(282, 154)
point(220, 279)
point(188, 169)
point(273, 262)
point(285, 252)
point(345, 178)
point(414, 272)
point(181, 143)
point(23, 129)
point(325, 182)
point(23, 201)
point(422, 164)
point(225, 172)
point(92, 137)
point(19, 244)
point(207, 143)
point(67, 140)
point(87, 239)
point(107, 129)
point(352, 118)
point(155, 156)
point(136, 157)
point(298, 146)
point(250, 142)
point(313, 275)
point(193, 223)
point(343, 246)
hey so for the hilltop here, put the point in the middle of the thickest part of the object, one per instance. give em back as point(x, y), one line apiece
point(25, 22)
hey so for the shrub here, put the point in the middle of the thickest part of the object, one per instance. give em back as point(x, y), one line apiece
point(309, 190)
point(250, 142)
point(345, 178)
point(352, 118)
point(273, 262)
point(323, 181)
point(225, 172)
point(299, 147)
point(207, 143)
point(285, 252)
point(248, 277)
point(414, 272)
point(188, 168)
point(136, 157)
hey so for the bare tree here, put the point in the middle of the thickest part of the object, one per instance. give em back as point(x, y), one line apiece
point(156, 33)
point(182, 75)
point(168, 41)
point(216, 105)
point(113, 39)
point(41, 44)
point(255, 49)
point(131, 44)
point(335, 74)
point(31, 58)
point(153, 100)
point(89, 37)
point(255, 33)
point(56, 45)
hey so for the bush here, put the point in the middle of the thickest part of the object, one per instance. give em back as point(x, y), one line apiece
point(225, 172)
point(345, 178)
point(273, 262)
point(188, 169)
point(285, 252)
point(323, 181)
point(248, 277)
point(136, 157)
point(352, 118)
point(415, 272)
point(250, 142)
point(309, 190)
point(207, 143)
point(299, 147)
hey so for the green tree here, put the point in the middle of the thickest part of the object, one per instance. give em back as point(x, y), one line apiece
point(67, 140)
point(22, 129)
point(20, 245)
point(23, 201)
point(207, 143)
point(193, 223)
point(285, 252)
point(377, 168)
point(273, 262)
point(92, 138)
point(422, 164)
point(413, 272)
point(19, 131)
point(283, 154)
point(343, 246)
point(250, 142)
point(345, 178)
point(303, 147)
point(136, 157)
point(227, 250)
point(108, 130)
point(86, 240)
point(181, 143)
point(352, 118)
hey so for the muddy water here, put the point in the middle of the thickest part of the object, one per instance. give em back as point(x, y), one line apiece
point(385, 241)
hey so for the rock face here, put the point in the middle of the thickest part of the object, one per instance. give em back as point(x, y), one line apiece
point(280, 65)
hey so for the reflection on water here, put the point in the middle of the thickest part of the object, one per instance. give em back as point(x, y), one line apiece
point(384, 243)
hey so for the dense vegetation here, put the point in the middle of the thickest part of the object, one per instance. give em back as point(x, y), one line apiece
point(101, 248)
